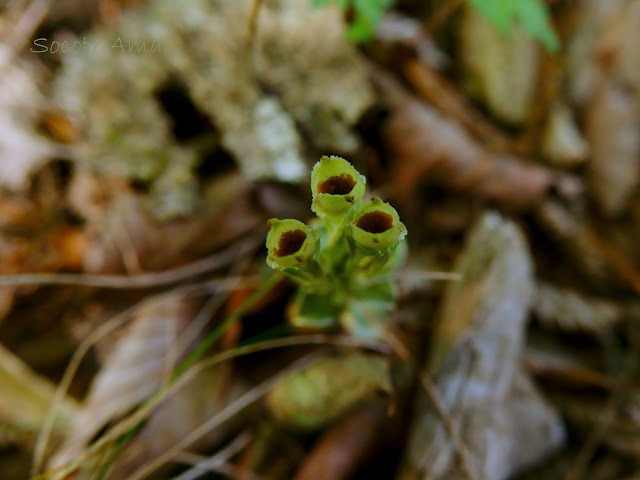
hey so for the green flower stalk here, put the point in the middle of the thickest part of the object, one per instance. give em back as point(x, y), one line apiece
point(345, 266)
point(376, 231)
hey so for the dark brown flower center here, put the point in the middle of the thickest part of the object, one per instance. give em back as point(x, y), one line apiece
point(338, 185)
point(375, 222)
point(290, 242)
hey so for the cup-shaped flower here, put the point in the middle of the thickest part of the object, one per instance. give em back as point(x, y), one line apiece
point(291, 243)
point(376, 226)
point(336, 185)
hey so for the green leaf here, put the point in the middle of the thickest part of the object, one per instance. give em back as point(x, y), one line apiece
point(360, 30)
point(495, 11)
point(368, 14)
point(342, 4)
point(371, 10)
point(532, 15)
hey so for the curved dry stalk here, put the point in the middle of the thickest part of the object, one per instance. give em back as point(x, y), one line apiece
point(226, 413)
point(199, 321)
point(102, 331)
point(253, 20)
point(597, 431)
point(139, 415)
point(72, 368)
point(214, 462)
point(144, 280)
point(442, 14)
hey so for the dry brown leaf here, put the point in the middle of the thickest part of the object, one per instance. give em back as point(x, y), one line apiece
point(562, 143)
point(141, 362)
point(613, 131)
point(341, 449)
point(475, 352)
point(326, 389)
point(583, 66)
point(452, 103)
point(122, 233)
point(180, 415)
point(423, 143)
point(617, 47)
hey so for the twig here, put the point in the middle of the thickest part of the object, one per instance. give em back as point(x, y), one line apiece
point(253, 21)
point(63, 386)
point(442, 14)
point(431, 86)
point(432, 392)
point(214, 462)
point(608, 414)
point(145, 280)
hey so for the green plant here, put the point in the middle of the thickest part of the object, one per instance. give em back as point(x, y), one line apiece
point(532, 15)
point(344, 261)
point(367, 15)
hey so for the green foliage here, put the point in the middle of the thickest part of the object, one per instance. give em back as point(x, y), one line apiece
point(345, 260)
point(533, 15)
point(367, 16)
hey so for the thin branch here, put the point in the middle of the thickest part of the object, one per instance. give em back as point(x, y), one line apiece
point(145, 280)
point(213, 463)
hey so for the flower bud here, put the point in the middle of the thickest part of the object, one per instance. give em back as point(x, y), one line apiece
point(376, 226)
point(336, 185)
point(291, 243)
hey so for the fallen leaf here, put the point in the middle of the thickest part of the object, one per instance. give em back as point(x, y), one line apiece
point(326, 389)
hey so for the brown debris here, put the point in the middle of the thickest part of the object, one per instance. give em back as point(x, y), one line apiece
point(613, 130)
point(342, 448)
point(475, 353)
point(423, 143)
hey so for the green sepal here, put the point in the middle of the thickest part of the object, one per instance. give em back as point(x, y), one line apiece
point(335, 186)
point(377, 227)
point(291, 244)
